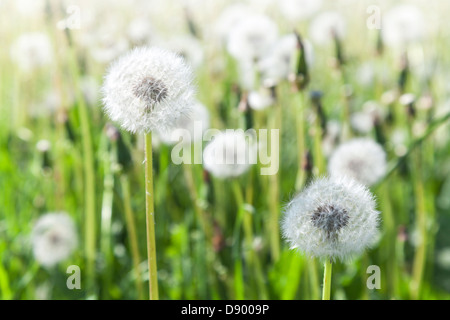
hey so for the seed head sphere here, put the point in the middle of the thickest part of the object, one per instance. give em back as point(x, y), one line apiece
point(332, 218)
point(148, 89)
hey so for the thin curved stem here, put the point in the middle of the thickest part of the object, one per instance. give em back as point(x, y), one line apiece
point(150, 219)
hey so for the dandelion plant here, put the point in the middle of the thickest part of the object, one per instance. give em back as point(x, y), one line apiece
point(148, 89)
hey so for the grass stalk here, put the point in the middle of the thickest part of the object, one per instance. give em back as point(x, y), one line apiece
point(132, 233)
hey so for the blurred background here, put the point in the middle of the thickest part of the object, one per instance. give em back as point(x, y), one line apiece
point(323, 72)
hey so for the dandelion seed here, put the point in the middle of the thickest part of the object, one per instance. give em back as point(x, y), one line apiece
point(53, 238)
point(361, 159)
point(148, 89)
point(332, 218)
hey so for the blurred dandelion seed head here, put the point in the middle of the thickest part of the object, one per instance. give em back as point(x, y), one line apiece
point(53, 238)
point(325, 25)
point(252, 37)
point(229, 154)
point(32, 51)
point(402, 25)
point(361, 159)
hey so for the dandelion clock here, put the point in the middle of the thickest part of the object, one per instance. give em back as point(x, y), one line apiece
point(148, 89)
point(332, 218)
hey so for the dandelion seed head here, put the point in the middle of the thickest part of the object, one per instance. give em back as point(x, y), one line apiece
point(32, 51)
point(188, 47)
point(230, 154)
point(148, 89)
point(43, 145)
point(53, 238)
point(361, 159)
point(324, 25)
point(260, 99)
point(297, 10)
point(280, 60)
point(402, 25)
point(252, 37)
point(332, 218)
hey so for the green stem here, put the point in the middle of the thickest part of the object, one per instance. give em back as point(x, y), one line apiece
point(89, 173)
point(132, 233)
point(431, 128)
point(319, 160)
point(250, 255)
point(313, 279)
point(150, 219)
point(300, 121)
point(421, 220)
point(106, 214)
point(274, 189)
point(327, 280)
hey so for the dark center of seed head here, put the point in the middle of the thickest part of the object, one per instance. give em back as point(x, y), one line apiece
point(151, 91)
point(330, 219)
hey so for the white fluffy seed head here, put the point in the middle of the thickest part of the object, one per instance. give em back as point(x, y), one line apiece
point(324, 25)
point(260, 99)
point(148, 89)
point(32, 51)
point(229, 154)
point(332, 218)
point(53, 238)
point(402, 25)
point(361, 159)
point(280, 61)
point(297, 10)
point(252, 37)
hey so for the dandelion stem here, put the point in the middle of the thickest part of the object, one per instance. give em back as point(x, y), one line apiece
point(327, 280)
point(313, 279)
point(106, 215)
point(149, 210)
